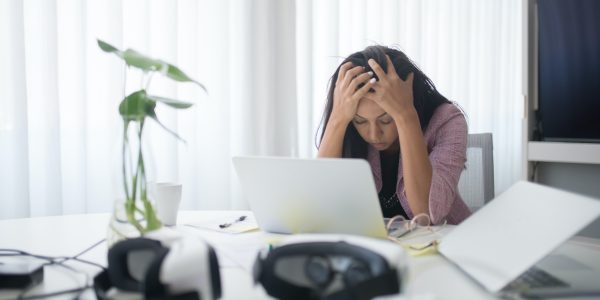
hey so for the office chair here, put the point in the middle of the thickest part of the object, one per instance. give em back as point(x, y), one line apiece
point(476, 184)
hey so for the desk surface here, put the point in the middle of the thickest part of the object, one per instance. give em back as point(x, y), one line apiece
point(430, 277)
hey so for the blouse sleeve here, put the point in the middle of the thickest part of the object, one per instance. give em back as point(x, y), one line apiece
point(447, 157)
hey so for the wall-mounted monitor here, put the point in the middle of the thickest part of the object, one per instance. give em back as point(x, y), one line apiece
point(569, 70)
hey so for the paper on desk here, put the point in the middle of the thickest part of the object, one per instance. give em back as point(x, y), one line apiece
point(241, 250)
point(247, 225)
point(233, 250)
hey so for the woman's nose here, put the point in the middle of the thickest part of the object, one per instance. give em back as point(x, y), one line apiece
point(375, 133)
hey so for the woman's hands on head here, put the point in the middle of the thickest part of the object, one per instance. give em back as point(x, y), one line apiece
point(393, 94)
point(346, 95)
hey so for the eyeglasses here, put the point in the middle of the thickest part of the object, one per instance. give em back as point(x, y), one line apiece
point(398, 227)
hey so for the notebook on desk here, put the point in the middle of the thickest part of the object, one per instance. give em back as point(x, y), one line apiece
point(292, 195)
point(505, 246)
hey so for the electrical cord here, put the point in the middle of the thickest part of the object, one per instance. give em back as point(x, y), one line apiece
point(76, 257)
point(59, 261)
point(50, 261)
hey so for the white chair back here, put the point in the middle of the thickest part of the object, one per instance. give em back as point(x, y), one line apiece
point(476, 184)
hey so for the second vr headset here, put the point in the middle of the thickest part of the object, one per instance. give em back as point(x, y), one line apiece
point(321, 266)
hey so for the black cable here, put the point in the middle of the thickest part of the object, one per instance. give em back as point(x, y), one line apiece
point(50, 258)
point(76, 257)
point(23, 253)
point(64, 258)
point(60, 261)
point(87, 262)
point(89, 248)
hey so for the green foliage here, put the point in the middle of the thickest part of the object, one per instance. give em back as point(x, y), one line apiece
point(135, 107)
point(135, 59)
point(139, 105)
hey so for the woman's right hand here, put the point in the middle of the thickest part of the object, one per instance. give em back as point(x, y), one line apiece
point(345, 94)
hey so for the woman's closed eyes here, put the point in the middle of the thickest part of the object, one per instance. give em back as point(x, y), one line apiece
point(384, 120)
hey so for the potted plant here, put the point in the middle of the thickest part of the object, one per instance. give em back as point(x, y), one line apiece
point(137, 209)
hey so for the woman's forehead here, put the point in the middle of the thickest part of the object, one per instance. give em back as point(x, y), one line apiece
point(369, 109)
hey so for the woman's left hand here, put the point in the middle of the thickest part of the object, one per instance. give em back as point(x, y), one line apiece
point(393, 94)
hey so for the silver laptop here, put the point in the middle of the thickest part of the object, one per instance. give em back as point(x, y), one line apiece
point(292, 195)
point(506, 246)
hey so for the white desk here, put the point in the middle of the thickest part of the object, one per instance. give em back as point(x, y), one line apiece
point(430, 277)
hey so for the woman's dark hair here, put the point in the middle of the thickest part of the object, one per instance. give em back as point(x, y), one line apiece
point(426, 97)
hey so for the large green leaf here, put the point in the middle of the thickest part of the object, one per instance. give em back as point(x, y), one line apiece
point(139, 105)
point(140, 61)
point(146, 63)
point(175, 73)
point(132, 57)
point(106, 47)
point(136, 106)
point(170, 102)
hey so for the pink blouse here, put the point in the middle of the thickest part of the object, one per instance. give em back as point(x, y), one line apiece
point(446, 138)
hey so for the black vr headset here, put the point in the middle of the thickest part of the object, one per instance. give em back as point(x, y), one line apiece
point(331, 267)
point(186, 269)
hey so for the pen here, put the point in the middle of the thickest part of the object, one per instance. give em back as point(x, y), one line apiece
point(225, 225)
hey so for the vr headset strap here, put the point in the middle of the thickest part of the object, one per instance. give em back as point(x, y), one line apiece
point(102, 284)
point(384, 284)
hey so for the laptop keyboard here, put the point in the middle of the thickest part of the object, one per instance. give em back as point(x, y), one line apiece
point(536, 278)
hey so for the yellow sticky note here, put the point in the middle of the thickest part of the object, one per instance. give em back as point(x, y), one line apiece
point(422, 249)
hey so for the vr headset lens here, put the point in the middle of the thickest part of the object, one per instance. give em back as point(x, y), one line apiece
point(322, 271)
point(138, 262)
point(318, 270)
point(357, 272)
point(130, 260)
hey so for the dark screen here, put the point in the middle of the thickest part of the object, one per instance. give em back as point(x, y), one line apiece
point(569, 69)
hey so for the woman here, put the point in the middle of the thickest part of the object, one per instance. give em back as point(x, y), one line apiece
point(382, 108)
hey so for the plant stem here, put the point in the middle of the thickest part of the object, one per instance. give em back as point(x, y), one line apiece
point(139, 173)
point(125, 143)
point(130, 211)
point(125, 81)
point(130, 204)
point(140, 167)
point(152, 221)
point(137, 168)
point(148, 81)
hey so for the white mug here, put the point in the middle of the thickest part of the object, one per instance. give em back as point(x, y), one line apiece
point(167, 196)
